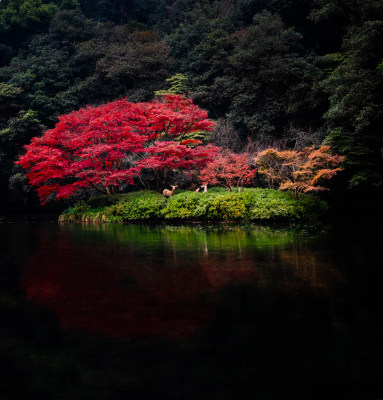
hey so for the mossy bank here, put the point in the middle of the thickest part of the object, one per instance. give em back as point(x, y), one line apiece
point(215, 205)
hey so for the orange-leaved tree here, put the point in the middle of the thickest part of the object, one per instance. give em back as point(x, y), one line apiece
point(302, 171)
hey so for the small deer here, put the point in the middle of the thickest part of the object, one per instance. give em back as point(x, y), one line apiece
point(197, 190)
point(169, 193)
point(204, 186)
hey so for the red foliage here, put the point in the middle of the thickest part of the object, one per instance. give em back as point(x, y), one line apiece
point(103, 147)
point(228, 170)
point(191, 142)
point(166, 156)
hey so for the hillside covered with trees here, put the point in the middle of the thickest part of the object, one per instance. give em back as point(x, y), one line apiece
point(282, 74)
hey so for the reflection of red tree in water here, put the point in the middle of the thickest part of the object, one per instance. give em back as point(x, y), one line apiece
point(103, 290)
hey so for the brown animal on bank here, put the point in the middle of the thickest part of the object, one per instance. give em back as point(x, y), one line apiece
point(197, 190)
point(169, 193)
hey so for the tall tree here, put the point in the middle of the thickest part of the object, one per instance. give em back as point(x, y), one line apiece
point(102, 147)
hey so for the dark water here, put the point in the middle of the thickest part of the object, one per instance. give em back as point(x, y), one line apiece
point(161, 312)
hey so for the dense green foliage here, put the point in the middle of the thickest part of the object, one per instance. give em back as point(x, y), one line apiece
point(215, 205)
point(276, 73)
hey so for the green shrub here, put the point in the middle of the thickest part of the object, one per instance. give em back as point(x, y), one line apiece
point(142, 205)
point(251, 204)
point(228, 206)
point(272, 204)
point(187, 205)
point(216, 204)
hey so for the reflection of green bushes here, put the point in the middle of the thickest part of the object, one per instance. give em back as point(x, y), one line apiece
point(190, 237)
point(216, 204)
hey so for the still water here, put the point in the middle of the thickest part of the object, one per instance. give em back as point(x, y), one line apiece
point(185, 312)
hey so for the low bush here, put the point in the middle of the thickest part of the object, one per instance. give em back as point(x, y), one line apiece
point(217, 204)
point(142, 205)
point(190, 205)
point(83, 212)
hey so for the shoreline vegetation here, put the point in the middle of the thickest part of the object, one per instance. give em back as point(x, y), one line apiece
point(218, 204)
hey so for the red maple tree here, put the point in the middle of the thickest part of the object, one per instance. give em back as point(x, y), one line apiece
point(167, 156)
point(103, 147)
point(228, 170)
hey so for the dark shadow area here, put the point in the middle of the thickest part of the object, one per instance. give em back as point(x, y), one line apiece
point(179, 313)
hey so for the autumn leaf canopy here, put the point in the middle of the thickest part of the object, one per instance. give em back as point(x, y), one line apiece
point(103, 147)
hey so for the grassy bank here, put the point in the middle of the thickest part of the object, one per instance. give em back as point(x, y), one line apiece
point(215, 205)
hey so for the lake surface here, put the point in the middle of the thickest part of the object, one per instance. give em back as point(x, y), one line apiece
point(185, 312)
